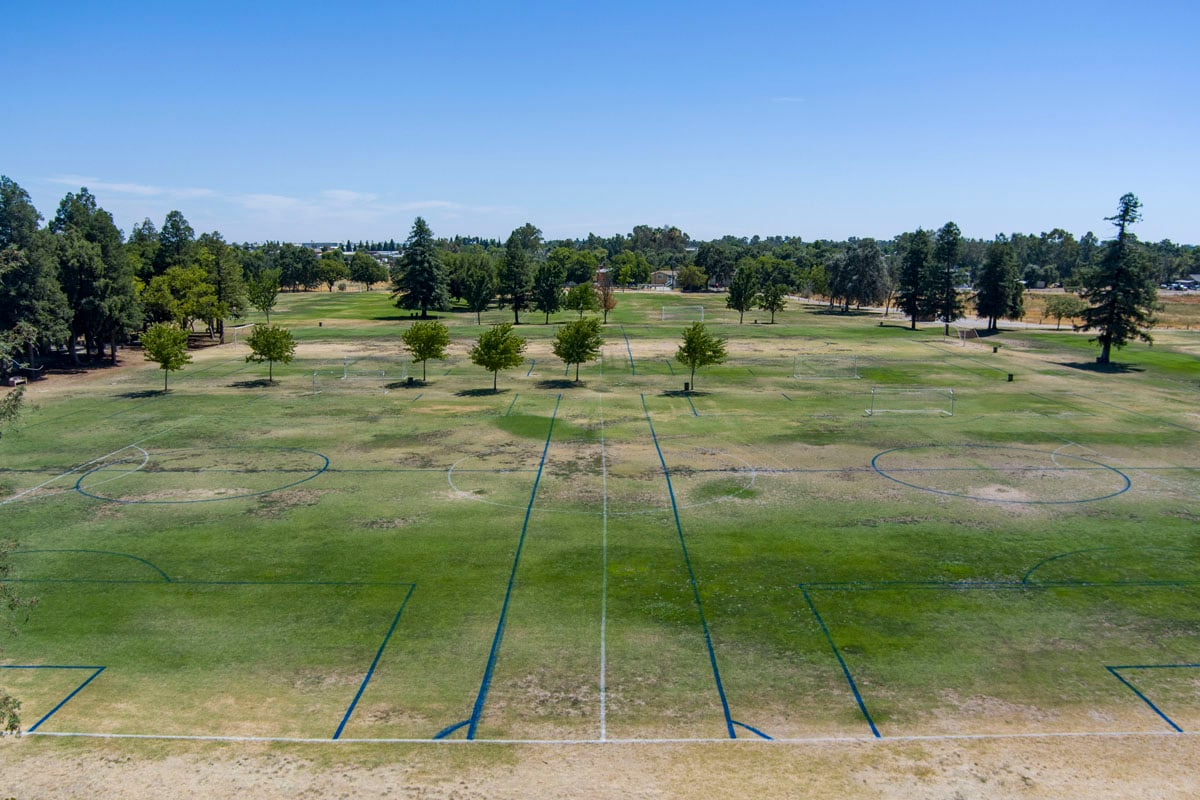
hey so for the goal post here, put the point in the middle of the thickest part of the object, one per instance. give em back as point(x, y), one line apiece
point(911, 400)
point(682, 314)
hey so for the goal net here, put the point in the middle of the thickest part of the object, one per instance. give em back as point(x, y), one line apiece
point(682, 314)
point(911, 400)
point(364, 375)
point(807, 366)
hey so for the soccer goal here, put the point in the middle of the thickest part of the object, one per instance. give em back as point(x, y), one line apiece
point(808, 366)
point(682, 314)
point(911, 400)
point(358, 375)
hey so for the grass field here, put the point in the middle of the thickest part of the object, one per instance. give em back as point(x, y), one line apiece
point(345, 555)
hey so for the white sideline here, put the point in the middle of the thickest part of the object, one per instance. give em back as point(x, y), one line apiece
point(604, 573)
point(865, 740)
point(72, 471)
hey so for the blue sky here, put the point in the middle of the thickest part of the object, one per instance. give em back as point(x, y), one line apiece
point(324, 121)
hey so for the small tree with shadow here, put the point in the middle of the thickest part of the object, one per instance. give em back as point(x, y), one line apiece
point(166, 344)
point(773, 299)
point(426, 340)
point(699, 349)
point(270, 343)
point(581, 298)
point(498, 348)
point(578, 341)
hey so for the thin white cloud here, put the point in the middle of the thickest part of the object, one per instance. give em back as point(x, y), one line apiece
point(348, 197)
point(139, 189)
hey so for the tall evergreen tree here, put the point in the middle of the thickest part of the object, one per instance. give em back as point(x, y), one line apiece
point(945, 299)
point(29, 289)
point(998, 289)
point(912, 281)
point(515, 276)
point(175, 243)
point(548, 281)
point(743, 289)
point(1120, 288)
point(420, 283)
point(95, 274)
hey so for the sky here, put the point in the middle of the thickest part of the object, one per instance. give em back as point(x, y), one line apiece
point(317, 121)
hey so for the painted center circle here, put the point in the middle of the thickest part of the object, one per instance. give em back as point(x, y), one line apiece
point(1002, 473)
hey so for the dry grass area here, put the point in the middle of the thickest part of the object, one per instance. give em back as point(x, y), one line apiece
point(1179, 311)
point(1091, 767)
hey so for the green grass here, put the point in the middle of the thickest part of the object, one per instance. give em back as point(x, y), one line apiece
point(285, 580)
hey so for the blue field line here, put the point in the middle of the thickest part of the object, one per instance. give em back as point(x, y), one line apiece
point(785, 397)
point(695, 413)
point(712, 655)
point(510, 405)
point(418, 397)
point(862, 706)
point(753, 730)
point(1127, 483)
point(323, 468)
point(1045, 561)
point(752, 373)
point(151, 565)
point(1116, 674)
point(66, 699)
point(374, 663)
point(532, 361)
point(486, 684)
point(670, 366)
point(628, 349)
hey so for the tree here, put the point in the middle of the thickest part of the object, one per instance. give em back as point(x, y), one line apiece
point(331, 268)
point(630, 269)
point(166, 344)
point(498, 348)
point(717, 260)
point(1064, 306)
point(699, 349)
point(912, 282)
point(998, 289)
point(270, 343)
point(547, 288)
point(605, 296)
point(11, 343)
point(225, 273)
point(175, 242)
point(263, 291)
point(420, 282)
point(581, 297)
point(691, 278)
point(515, 276)
point(1120, 288)
point(858, 276)
point(426, 340)
point(578, 341)
point(944, 299)
point(365, 269)
point(479, 288)
point(773, 299)
point(10, 606)
point(743, 289)
point(95, 274)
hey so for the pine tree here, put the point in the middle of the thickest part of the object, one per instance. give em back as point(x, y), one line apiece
point(912, 282)
point(1120, 288)
point(945, 300)
point(421, 281)
point(515, 276)
point(998, 289)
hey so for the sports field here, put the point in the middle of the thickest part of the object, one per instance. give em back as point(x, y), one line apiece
point(347, 556)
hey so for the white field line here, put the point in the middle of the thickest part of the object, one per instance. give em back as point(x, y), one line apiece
point(861, 740)
point(72, 471)
point(119, 475)
point(603, 574)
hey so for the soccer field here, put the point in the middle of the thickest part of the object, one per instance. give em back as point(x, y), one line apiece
point(944, 540)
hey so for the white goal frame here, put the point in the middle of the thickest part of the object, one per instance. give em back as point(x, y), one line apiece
point(937, 401)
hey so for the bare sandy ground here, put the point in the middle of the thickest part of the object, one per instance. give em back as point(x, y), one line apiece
point(1083, 767)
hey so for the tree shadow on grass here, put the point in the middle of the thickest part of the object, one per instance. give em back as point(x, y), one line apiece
point(558, 383)
point(407, 383)
point(480, 392)
point(257, 383)
point(141, 395)
point(681, 393)
point(1103, 369)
